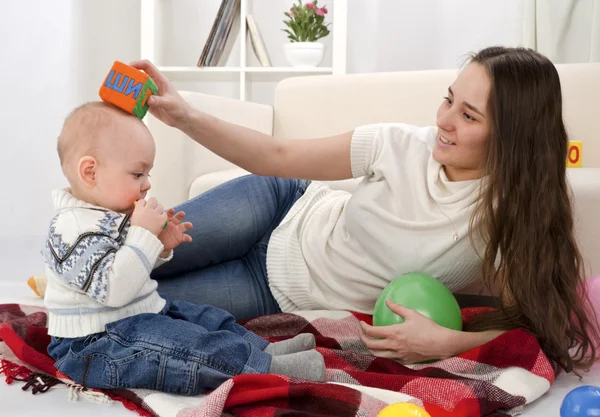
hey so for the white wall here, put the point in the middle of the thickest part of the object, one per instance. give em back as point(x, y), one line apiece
point(105, 31)
point(37, 66)
point(392, 35)
point(569, 30)
point(53, 56)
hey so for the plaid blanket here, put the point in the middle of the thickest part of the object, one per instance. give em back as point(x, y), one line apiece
point(496, 379)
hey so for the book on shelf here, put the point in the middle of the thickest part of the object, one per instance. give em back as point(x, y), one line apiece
point(258, 44)
point(222, 35)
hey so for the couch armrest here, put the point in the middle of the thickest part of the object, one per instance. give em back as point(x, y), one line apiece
point(180, 160)
point(585, 183)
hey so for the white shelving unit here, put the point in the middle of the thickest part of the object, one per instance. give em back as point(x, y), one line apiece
point(149, 42)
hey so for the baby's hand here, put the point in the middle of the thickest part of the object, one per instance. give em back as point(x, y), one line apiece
point(174, 234)
point(150, 215)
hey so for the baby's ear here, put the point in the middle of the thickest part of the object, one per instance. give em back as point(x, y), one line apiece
point(86, 170)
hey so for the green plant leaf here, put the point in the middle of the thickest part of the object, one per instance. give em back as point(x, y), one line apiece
point(304, 24)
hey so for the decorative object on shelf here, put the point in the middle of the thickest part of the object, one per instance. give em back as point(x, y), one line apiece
point(305, 26)
point(221, 39)
point(258, 45)
point(237, 78)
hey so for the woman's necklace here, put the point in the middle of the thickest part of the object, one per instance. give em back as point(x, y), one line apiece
point(455, 235)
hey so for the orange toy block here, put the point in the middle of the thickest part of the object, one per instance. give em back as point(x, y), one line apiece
point(128, 89)
point(574, 154)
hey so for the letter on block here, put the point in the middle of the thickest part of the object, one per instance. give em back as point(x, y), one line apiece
point(574, 154)
point(128, 89)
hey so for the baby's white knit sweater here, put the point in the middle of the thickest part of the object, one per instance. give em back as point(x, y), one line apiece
point(98, 268)
point(338, 251)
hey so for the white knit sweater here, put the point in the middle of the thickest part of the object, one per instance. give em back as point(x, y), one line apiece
point(336, 250)
point(98, 268)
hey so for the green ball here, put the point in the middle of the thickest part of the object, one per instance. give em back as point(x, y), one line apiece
point(422, 293)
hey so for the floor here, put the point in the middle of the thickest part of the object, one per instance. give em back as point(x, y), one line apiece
point(15, 402)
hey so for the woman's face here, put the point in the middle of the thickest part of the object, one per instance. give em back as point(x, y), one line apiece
point(464, 125)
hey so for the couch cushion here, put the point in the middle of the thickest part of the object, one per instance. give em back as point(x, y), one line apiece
point(207, 181)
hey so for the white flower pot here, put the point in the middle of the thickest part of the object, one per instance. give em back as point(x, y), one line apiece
point(304, 54)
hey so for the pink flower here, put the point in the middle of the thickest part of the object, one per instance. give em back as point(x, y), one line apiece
point(321, 12)
point(310, 6)
point(324, 10)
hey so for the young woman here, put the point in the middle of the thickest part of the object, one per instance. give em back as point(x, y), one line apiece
point(482, 195)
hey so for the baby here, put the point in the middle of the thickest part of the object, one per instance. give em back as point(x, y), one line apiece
point(110, 328)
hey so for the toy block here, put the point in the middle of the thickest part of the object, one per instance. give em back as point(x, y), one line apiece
point(574, 154)
point(128, 88)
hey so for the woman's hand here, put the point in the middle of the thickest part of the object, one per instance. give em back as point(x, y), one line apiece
point(168, 106)
point(418, 339)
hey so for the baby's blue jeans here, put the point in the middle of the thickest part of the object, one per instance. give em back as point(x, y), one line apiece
point(185, 349)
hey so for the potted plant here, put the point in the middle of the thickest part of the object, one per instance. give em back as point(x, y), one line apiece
point(305, 26)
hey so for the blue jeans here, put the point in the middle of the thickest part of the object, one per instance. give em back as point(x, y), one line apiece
point(225, 265)
point(186, 349)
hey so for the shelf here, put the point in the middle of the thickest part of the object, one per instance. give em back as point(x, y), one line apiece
point(287, 70)
point(281, 70)
point(191, 70)
point(158, 18)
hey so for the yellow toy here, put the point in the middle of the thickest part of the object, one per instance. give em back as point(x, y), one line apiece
point(38, 284)
point(403, 410)
point(574, 154)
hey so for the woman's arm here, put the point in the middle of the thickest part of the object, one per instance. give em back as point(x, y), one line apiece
point(419, 338)
point(326, 158)
point(459, 342)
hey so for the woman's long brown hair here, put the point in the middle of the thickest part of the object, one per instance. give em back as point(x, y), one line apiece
point(525, 214)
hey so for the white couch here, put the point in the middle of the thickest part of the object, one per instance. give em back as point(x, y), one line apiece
point(314, 106)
